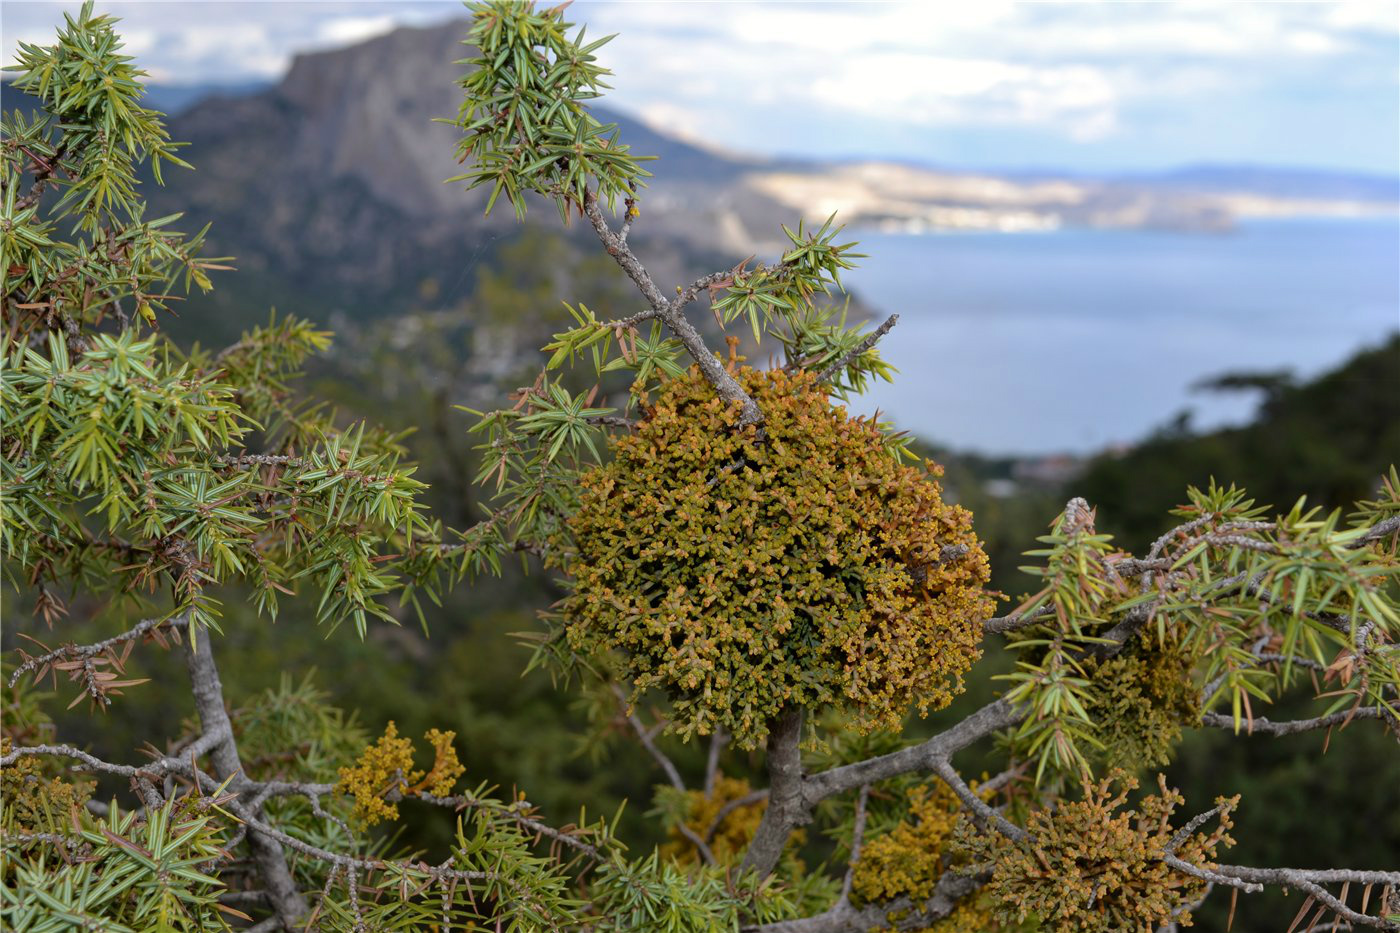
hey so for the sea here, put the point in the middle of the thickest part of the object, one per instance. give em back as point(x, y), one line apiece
point(1074, 341)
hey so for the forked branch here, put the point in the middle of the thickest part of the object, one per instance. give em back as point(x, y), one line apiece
point(671, 313)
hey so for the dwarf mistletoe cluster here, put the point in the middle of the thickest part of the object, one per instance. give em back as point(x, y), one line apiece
point(789, 564)
point(746, 566)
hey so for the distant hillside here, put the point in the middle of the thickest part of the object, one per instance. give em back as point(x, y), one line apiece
point(174, 99)
point(1331, 438)
point(687, 161)
point(328, 188)
point(911, 198)
point(1278, 182)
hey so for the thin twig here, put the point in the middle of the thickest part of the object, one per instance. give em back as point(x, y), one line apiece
point(671, 314)
point(672, 774)
point(1294, 726)
point(857, 840)
point(870, 340)
point(982, 813)
point(83, 652)
point(717, 744)
point(748, 799)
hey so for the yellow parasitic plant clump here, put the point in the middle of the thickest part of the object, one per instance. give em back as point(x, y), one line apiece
point(384, 773)
point(908, 860)
point(733, 834)
point(1088, 866)
point(34, 801)
point(1139, 700)
point(744, 571)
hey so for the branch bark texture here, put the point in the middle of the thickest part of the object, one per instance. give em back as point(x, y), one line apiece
point(786, 808)
point(672, 313)
point(267, 852)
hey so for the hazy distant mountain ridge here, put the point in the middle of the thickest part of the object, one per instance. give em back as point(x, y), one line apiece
point(1319, 184)
point(174, 99)
point(328, 186)
point(915, 199)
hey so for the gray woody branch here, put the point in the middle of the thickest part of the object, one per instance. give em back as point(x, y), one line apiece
point(265, 844)
point(870, 340)
point(86, 652)
point(1310, 881)
point(1293, 726)
point(787, 806)
point(671, 312)
point(793, 796)
point(246, 807)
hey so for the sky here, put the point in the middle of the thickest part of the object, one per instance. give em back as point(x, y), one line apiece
point(1090, 87)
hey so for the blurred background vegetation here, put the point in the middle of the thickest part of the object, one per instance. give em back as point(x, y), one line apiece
point(1330, 438)
point(433, 308)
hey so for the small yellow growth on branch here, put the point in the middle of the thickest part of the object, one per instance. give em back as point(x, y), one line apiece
point(909, 859)
point(1094, 866)
point(733, 833)
point(384, 773)
point(36, 801)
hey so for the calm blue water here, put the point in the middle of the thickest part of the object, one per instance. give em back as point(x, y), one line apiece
point(1075, 340)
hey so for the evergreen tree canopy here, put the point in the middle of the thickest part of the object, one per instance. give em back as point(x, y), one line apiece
point(744, 564)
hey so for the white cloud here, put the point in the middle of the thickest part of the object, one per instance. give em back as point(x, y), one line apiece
point(246, 44)
point(748, 72)
point(1074, 67)
point(696, 126)
point(1313, 42)
point(1381, 17)
point(226, 40)
point(934, 90)
point(348, 30)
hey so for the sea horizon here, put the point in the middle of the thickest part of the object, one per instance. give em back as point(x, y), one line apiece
point(1079, 340)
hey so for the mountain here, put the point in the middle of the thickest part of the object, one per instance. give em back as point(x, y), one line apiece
point(689, 161)
point(1283, 182)
point(912, 198)
point(328, 186)
point(328, 189)
point(174, 99)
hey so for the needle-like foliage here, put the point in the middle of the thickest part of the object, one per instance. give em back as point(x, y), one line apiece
point(742, 560)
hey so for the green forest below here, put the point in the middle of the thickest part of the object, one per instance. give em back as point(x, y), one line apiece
point(1331, 437)
point(667, 608)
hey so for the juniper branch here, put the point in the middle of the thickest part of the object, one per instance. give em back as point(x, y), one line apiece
point(854, 353)
point(667, 765)
point(265, 843)
point(982, 814)
point(787, 807)
point(671, 314)
point(1294, 726)
point(82, 652)
point(857, 841)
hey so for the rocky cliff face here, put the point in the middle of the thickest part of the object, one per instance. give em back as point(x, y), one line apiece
point(366, 114)
point(328, 187)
